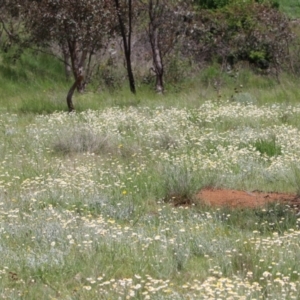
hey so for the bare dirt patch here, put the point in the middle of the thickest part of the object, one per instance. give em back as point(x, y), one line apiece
point(239, 199)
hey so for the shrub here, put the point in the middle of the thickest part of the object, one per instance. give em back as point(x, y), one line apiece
point(241, 31)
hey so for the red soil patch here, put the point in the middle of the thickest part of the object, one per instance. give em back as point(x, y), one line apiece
point(234, 198)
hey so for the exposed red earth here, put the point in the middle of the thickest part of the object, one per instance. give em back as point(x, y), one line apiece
point(240, 199)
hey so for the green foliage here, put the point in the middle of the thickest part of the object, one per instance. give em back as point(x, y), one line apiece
point(212, 4)
point(257, 55)
point(254, 30)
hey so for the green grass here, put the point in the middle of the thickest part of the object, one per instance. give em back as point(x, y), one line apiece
point(36, 84)
point(290, 7)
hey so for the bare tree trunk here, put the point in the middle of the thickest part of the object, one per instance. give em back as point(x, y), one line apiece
point(77, 64)
point(1, 29)
point(153, 32)
point(69, 97)
point(157, 59)
point(78, 72)
point(127, 42)
point(78, 82)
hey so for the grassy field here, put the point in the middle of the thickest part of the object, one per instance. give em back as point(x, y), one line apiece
point(87, 199)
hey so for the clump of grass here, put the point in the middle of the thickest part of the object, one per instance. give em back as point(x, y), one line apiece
point(85, 140)
point(274, 217)
point(165, 141)
point(179, 184)
point(295, 179)
point(82, 140)
point(244, 98)
point(268, 146)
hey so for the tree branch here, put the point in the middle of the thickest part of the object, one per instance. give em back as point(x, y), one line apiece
point(51, 54)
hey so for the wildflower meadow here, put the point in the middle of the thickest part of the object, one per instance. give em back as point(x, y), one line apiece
point(102, 204)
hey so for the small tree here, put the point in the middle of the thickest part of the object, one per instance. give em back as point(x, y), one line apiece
point(80, 27)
